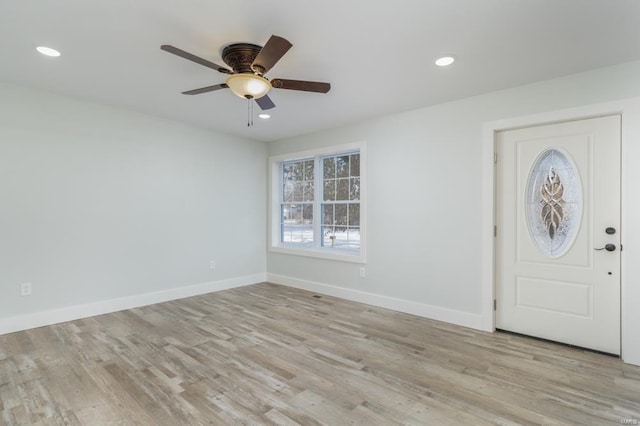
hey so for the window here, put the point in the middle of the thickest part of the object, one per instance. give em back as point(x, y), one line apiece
point(317, 203)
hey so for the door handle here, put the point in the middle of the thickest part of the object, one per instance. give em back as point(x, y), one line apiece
point(608, 247)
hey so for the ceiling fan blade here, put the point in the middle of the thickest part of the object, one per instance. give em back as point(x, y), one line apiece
point(265, 102)
point(206, 89)
point(307, 86)
point(194, 58)
point(273, 50)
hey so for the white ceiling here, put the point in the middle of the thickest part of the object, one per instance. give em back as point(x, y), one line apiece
point(377, 55)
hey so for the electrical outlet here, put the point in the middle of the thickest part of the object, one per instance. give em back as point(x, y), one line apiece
point(363, 272)
point(212, 264)
point(25, 289)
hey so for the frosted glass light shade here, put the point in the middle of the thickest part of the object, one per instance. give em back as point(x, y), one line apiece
point(248, 86)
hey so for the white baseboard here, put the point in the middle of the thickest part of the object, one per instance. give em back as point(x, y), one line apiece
point(437, 313)
point(55, 316)
point(70, 313)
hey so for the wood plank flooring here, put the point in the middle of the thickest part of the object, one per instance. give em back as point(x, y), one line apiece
point(267, 354)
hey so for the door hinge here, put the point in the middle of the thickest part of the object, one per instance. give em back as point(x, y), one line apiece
point(495, 158)
point(495, 230)
point(495, 305)
point(621, 247)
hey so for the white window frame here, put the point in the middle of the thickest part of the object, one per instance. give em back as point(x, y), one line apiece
point(275, 195)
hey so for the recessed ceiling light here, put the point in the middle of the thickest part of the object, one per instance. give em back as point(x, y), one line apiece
point(444, 61)
point(264, 116)
point(47, 51)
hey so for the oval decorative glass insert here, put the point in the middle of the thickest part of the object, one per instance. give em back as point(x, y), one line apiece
point(553, 201)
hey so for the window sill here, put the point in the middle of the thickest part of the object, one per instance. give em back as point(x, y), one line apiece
point(320, 254)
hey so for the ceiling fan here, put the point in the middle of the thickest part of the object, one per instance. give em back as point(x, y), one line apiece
point(249, 63)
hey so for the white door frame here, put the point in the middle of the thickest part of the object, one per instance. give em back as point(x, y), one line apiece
point(489, 194)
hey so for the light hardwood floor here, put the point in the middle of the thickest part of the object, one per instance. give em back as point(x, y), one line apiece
point(267, 354)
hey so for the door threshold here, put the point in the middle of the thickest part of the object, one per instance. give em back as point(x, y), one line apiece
point(595, 351)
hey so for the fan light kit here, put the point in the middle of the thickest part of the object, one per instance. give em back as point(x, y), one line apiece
point(249, 63)
point(248, 86)
point(445, 61)
point(264, 116)
point(48, 51)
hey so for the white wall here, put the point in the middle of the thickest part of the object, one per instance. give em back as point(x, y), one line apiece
point(100, 205)
point(103, 209)
point(425, 194)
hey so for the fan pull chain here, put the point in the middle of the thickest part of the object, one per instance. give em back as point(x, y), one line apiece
point(249, 112)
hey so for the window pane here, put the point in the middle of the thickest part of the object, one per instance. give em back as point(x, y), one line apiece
point(342, 189)
point(354, 214)
point(292, 214)
point(329, 238)
point(297, 170)
point(336, 237)
point(354, 238)
point(284, 213)
point(329, 190)
point(329, 168)
point(342, 166)
point(295, 214)
point(354, 190)
point(327, 214)
point(341, 214)
point(308, 170)
point(287, 191)
point(341, 238)
point(307, 214)
point(355, 164)
point(308, 191)
point(298, 191)
point(286, 171)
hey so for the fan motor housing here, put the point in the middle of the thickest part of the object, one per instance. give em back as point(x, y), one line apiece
point(240, 56)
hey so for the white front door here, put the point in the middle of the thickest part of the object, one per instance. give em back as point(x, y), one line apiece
point(558, 232)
